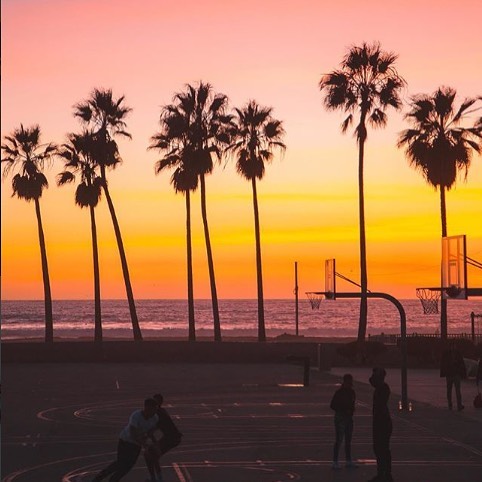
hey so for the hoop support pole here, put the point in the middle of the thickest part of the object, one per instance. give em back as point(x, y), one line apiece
point(472, 323)
point(296, 298)
point(403, 335)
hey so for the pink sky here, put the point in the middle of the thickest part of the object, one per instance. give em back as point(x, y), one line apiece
point(55, 52)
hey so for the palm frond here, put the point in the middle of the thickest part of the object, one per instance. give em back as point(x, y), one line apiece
point(432, 145)
point(462, 109)
point(378, 118)
point(346, 123)
point(64, 178)
point(367, 81)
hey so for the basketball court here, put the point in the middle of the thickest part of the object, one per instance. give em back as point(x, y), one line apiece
point(250, 423)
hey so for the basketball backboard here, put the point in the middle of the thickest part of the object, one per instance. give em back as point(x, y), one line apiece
point(330, 279)
point(454, 267)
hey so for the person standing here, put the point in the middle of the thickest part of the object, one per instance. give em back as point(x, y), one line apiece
point(343, 403)
point(382, 426)
point(132, 438)
point(170, 438)
point(452, 367)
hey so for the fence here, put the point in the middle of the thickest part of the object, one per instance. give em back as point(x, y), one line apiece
point(393, 339)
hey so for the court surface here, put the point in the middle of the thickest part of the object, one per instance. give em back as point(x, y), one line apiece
point(241, 423)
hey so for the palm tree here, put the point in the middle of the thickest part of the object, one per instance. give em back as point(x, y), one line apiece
point(366, 84)
point(78, 156)
point(172, 140)
point(24, 152)
point(257, 134)
point(104, 117)
point(204, 128)
point(439, 147)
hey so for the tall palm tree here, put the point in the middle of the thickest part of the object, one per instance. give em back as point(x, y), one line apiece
point(24, 152)
point(172, 140)
point(204, 127)
point(78, 156)
point(257, 134)
point(367, 84)
point(105, 117)
point(439, 147)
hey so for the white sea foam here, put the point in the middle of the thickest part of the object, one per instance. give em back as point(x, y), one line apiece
point(165, 318)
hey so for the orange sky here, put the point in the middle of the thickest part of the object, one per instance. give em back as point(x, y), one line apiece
point(54, 52)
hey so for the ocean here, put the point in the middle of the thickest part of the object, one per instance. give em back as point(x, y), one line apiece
point(168, 318)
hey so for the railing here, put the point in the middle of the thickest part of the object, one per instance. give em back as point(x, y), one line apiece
point(393, 339)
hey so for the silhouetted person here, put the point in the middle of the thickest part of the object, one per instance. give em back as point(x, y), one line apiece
point(132, 438)
point(170, 438)
point(382, 426)
point(343, 403)
point(452, 367)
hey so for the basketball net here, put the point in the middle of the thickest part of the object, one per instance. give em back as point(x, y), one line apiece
point(314, 299)
point(429, 299)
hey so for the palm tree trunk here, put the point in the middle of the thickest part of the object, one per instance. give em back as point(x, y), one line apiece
point(443, 301)
point(259, 272)
point(190, 290)
point(212, 279)
point(125, 270)
point(49, 324)
point(95, 255)
point(362, 325)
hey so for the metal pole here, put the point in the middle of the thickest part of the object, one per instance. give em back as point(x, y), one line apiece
point(403, 336)
point(472, 319)
point(296, 297)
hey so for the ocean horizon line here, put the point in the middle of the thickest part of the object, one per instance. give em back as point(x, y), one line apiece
point(301, 299)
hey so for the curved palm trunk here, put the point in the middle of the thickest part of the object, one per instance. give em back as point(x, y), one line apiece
point(212, 279)
point(362, 324)
point(125, 270)
point(259, 272)
point(95, 255)
point(49, 324)
point(190, 290)
point(443, 301)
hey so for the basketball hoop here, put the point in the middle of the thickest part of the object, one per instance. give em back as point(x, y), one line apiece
point(315, 299)
point(429, 298)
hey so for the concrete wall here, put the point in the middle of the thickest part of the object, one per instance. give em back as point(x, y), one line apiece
point(157, 351)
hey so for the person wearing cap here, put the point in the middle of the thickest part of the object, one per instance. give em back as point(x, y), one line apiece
point(382, 426)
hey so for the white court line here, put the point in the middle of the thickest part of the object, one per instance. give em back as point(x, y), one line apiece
point(180, 475)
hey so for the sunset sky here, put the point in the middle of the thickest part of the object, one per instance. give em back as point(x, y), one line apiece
point(54, 52)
